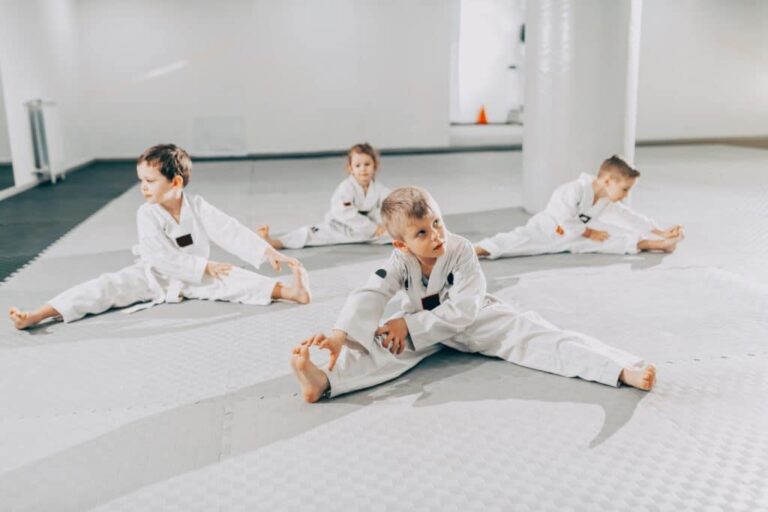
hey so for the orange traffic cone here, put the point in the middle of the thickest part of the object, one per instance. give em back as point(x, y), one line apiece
point(481, 118)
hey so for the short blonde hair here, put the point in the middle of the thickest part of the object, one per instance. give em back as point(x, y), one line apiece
point(405, 203)
point(617, 164)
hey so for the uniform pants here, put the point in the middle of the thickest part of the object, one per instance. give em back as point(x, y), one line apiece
point(131, 285)
point(327, 234)
point(529, 240)
point(523, 338)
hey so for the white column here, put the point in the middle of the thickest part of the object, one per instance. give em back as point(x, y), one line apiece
point(582, 61)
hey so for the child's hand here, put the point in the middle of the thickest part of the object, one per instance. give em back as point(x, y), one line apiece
point(277, 258)
point(333, 343)
point(596, 235)
point(217, 270)
point(396, 331)
point(380, 231)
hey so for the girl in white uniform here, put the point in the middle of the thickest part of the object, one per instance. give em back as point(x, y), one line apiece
point(354, 216)
point(445, 304)
point(175, 230)
point(585, 216)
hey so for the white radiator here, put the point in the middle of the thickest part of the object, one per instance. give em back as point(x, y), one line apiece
point(37, 123)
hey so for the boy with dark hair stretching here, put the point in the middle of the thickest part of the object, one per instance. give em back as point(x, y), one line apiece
point(175, 231)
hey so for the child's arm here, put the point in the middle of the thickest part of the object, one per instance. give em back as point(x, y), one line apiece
point(362, 311)
point(230, 235)
point(343, 209)
point(159, 251)
point(454, 315)
point(623, 214)
point(564, 207)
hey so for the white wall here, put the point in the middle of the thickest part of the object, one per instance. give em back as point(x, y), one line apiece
point(703, 69)
point(5, 143)
point(39, 58)
point(259, 76)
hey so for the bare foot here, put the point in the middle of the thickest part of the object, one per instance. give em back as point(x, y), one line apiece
point(481, 252)
point(312, 380)
point(643, 377)
point(300, 291)
point(21, 319)
point(664, 245)
point(263, 232)
point(670, 244)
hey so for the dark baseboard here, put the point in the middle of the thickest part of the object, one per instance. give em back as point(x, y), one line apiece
point(300, 155)
point(751, 142)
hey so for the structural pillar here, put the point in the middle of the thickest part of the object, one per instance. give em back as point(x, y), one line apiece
point(582, 60)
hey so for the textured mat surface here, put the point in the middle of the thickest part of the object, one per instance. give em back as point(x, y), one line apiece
point(32, 220)
point(192, 406)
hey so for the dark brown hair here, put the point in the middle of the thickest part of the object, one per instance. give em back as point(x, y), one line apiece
point(617, 163)
point(170, 160)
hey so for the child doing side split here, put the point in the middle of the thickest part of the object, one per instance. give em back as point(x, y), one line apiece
point(354, 216)
point(587, 216)
point(175, 230)
point(447, 305)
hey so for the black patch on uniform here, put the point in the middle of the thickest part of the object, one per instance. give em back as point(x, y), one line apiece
point(361, 212)
point(450, 279)
point(430, 302)
point(381, 273)
point(314, 229)
point(184, 240)
point(347, 203)
point(585, 218)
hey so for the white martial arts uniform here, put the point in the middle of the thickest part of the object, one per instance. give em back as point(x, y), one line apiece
point(353, 218)
point(560, 226)
point(172, 257)
point(454, 310)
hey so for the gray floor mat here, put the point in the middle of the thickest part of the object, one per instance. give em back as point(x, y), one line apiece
point(192, 406)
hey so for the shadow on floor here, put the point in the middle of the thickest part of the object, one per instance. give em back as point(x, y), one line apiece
point(194, 436)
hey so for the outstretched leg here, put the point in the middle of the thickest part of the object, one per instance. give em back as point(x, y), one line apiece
point(26, 319)
point(527, 339)
point(114, 289)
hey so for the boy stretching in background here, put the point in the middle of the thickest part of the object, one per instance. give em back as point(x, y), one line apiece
point(175, 231)
point(585, 216)
point(446, 305)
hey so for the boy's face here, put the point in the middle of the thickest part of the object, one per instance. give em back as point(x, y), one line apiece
point(362, 167)
point(155, 187)
point(617, 186)
point(424, 238)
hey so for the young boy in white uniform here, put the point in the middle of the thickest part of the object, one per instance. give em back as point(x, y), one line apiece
point(175, 230)
point(585, 216)
point(354, 216)
point(446, 304)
